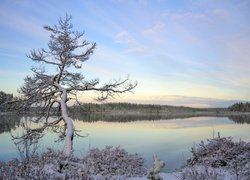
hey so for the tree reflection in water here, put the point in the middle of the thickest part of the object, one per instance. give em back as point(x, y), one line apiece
point(240, 119)
point(9, 122)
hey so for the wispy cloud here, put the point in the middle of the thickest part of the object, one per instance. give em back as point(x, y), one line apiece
point(19, 23)
point(153, 30)
point(136, 49)
point(208, 16)
point(132, 46)
point(124, 37)
point(219, 13)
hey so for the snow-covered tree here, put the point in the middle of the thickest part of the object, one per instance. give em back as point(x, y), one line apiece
point(51, 88)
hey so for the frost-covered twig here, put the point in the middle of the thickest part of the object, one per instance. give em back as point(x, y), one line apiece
point(200, 172)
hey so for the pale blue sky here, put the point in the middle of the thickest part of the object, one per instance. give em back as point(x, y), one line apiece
point(193, 52)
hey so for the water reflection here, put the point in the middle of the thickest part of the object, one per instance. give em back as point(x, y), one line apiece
point(171, 139)
point(9, 122)
point(240, 119)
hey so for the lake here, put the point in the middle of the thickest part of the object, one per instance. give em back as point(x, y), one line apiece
point(170, 139)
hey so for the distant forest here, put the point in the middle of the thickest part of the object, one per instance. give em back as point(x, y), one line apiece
point(240, 107)
point(120, 108)
point(131, 107)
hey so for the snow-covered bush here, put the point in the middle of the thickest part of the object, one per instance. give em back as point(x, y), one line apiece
point(109, 163)
point(223, 153)
point(113, 161)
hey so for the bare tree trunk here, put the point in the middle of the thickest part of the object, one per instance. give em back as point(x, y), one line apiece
point(68, 145)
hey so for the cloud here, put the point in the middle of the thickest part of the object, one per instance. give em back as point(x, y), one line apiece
point(156, 28)
point(218, 13)
point(19, 23)
point(124, 37)
point(189, 16)
point(137, 49)
point(194, 18)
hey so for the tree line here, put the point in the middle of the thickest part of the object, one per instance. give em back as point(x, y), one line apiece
point(240, 107)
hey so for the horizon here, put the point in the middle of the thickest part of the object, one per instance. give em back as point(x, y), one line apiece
point(181, 53)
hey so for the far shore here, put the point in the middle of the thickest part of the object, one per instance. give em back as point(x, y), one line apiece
point(170, 114)
point(128, 112)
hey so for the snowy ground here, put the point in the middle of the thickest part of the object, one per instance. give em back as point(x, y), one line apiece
point(218, 158)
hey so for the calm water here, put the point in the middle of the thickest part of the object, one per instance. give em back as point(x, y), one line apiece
point(171, 139)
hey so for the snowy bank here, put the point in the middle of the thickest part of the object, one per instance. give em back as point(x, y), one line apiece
point(218, 158)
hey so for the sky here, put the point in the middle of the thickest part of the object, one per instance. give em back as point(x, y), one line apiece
point(190, 52)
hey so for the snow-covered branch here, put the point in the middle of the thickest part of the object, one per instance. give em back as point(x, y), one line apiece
point(153, 173)
point(107, 90)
